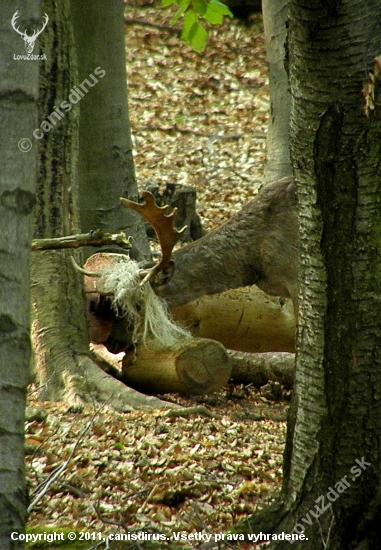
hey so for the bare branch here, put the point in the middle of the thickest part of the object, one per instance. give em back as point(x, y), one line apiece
point(93, 238)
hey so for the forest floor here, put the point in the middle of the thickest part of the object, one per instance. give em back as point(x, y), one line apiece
point(198, 119)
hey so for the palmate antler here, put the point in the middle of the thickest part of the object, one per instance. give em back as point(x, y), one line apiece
point(166, 233)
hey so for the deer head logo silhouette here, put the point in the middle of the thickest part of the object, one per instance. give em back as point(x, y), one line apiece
point(29, 40)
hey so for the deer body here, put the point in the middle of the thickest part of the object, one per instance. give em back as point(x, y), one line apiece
point(258, 246)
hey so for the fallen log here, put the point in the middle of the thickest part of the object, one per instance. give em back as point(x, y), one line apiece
point(260, 368)
point(197, 367)
point(246, 368)
point(243, 319)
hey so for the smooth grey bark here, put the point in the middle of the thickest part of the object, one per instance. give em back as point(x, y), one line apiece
point(278, 161)
point(106, 169)
point(335, 420)
point(18, 118)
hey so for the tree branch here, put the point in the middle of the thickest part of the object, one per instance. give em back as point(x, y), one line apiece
point(94, 238)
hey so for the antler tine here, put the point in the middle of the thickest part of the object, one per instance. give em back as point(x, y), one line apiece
point(13, 22)
point(162, 223)
point(84, 271)
point(45, 22)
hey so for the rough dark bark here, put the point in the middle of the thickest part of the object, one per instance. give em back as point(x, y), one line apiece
point(335, 420)
point(18, 119)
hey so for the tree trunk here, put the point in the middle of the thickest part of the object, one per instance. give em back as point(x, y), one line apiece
point(18, 119)
point(106, 169)
point(335, 420)
point(60, 333)
point(278, 161)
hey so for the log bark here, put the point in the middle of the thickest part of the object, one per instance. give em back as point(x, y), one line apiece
point(260, 368)
point(244, 319)
point(199, 367)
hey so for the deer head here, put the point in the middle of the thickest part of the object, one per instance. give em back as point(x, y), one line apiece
point(29, 40)
point(167, 235)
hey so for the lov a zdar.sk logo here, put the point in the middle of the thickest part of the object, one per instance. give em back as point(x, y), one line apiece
point(29, 40)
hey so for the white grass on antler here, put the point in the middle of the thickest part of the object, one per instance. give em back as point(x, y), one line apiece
point(148, 313)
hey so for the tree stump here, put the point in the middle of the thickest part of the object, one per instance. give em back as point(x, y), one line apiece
point(182, 197)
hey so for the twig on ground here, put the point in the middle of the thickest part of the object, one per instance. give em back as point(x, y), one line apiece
point(58, 471)
point(201, 410)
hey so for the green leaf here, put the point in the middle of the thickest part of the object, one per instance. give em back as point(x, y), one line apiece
point(193, 32)
point(166, 3)
point(200, 6)
point(216, 11)
point(183, 6)
point(222, 8)
point(190, 19)
point(211, 10)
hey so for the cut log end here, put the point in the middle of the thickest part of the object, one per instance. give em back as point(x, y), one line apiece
point(199, 367)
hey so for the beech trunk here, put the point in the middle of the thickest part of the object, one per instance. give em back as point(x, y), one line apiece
point(18, 119)
point(332, 462)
